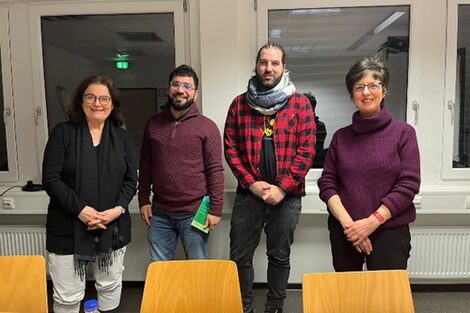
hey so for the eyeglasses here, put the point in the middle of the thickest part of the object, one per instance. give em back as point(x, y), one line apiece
point(90, 99)
point(186, 86)
point(374, 86)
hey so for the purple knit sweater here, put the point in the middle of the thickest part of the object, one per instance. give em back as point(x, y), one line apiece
point(181, 161)
point(374, 161)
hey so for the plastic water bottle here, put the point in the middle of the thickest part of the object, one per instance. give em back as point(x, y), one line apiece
point(91, 306)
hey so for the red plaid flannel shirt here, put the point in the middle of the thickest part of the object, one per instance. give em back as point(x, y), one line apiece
point(294, 142)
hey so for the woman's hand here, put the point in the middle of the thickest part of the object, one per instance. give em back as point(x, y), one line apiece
point(364, 247)
point(109, 215)
point(91, 218)
point(360, 230)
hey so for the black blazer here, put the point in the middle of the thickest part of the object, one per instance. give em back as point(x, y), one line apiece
point(59, 179)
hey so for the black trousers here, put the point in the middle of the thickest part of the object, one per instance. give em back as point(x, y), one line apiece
point(390, 249)
point(249, 217)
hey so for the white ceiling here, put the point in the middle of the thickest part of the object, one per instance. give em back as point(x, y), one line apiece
point(304, 33)
point(334, 32)
point(309, 33)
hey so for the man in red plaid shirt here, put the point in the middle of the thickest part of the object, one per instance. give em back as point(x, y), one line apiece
point(269, 143)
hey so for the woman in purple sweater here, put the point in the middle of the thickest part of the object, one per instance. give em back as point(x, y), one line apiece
point(370, 177)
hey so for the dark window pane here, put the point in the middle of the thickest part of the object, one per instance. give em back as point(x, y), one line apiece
point(322, 44)
point(3, 139)
point(462, 101)
point(77, 46)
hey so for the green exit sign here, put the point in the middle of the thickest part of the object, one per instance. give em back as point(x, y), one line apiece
point(122, 65)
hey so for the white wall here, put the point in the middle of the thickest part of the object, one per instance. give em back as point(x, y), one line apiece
point(222, 43)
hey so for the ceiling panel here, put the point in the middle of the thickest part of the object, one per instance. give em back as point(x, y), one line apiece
point(97, 38)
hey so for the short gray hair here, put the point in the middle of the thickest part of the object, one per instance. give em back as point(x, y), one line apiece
point(365, 66)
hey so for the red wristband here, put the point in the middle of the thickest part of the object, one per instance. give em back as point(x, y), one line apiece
point(379, 217)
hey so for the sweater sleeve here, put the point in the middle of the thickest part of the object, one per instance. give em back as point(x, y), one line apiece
point(407, 184)
point(129, 184)
point(214, 170)
point(328, 182)
point(145, 168)
point(52, 165)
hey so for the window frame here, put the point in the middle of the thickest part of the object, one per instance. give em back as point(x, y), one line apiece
point(412, 106)
point(6, 75)
point(448, 171)
point(36, 12)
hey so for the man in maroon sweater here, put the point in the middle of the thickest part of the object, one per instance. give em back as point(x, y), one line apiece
point(180, 162)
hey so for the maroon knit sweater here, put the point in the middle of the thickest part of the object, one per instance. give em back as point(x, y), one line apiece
point(373, 161)
point(181, 161)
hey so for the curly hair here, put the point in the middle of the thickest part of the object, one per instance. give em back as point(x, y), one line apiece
point(76, 113)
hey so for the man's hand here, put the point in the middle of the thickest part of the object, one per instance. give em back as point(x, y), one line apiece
point(146, 213)
point(212, 221)
point(259, 188)
point(274, 195)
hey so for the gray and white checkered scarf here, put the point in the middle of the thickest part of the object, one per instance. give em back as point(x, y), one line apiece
point(270, 101)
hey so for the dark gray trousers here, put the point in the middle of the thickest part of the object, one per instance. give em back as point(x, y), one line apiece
point(249, 217)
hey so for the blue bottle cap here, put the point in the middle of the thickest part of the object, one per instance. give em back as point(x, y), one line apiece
point(90, 305)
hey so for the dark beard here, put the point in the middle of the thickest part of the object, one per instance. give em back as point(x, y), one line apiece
point(180, 107)
point(263, 87)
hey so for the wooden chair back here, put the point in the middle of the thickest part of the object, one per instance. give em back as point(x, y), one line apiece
point(357, 292)
point(209, 286)
point(23, 285)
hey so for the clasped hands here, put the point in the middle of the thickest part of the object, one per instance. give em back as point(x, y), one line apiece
point(98, 220)
point(271, 194)
point(358, 233)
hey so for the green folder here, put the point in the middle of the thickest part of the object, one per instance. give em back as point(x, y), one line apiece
point(201, 215)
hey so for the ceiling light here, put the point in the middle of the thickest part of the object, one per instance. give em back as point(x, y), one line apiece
point(387, 22)
point(315, 11)
point(377, 29)
point(275, 33)
point(122, 56)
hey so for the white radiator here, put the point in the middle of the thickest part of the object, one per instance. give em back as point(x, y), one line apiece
point(22, 240)
point(440, 253)
point(435, 254)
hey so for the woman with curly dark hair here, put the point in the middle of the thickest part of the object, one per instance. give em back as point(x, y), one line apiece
point(90, 174)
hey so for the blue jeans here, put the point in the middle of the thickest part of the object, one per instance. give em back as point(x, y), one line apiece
point(163, 236)
point(250, 215)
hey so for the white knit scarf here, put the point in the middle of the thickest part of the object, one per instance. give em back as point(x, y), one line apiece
point(270, 101)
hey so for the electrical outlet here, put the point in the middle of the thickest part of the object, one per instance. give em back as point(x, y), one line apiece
point(8, 203)
point(467, 203)
point(417, 201)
